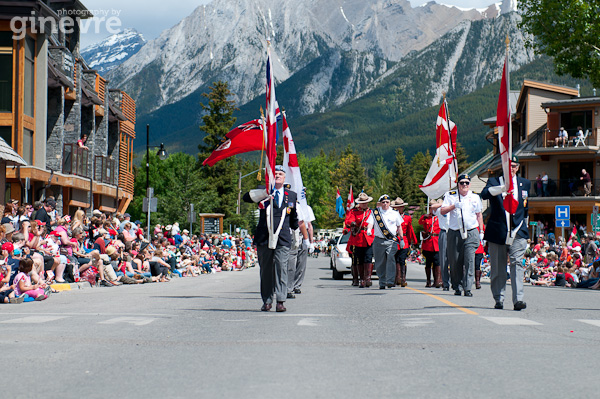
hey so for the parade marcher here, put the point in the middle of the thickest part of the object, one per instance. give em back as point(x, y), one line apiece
point(273, 256)
point(430, 244)
point(505, 244)
point(464, 207)
point(360, 244)
point(443, 245)
point(298, 251)
point(410, 238)
point(388, 234)
point(479, 253)
point(300, 269)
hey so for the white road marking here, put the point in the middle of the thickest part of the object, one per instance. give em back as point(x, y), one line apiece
point(33, 319)
point(512, 321)
point(308, 322)
point(240, 320)
point(416, 322)
point(266, 314)
point(137, 321)
point(432, 314)
point(591, 322)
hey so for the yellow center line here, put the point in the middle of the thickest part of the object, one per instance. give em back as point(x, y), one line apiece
point(447, 302)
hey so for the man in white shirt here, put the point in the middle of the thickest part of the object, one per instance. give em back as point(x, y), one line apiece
point(388, 233)
point(443, 244)
point(464, 208)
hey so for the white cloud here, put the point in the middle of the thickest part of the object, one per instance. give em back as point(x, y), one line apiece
point(459, 3)
point(150, 17)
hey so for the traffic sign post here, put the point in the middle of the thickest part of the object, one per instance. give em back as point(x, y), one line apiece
point(562, 214)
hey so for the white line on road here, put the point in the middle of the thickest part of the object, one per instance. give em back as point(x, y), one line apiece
point(240, 320)
point(308, 322)
point(432, 314)
point(512, 321)
point(90, 314)
point(33, 319)
point(299, 315)
point(591, 322)
point(137, 321)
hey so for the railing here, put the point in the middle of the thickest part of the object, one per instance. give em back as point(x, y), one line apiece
point(126, 181)
point(104, 170)
point(548, 139)
point(563, 188)
point(75, 160)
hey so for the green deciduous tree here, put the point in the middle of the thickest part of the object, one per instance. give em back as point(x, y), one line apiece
point(568, 31)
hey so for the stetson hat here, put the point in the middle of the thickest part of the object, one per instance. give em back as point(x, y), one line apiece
point(398, 202)
point(435, 203)
point(363, 198)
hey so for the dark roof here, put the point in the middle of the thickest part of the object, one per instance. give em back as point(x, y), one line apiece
point(89, 96)
point(572, 101)
point(56, 77)
point(115, 113)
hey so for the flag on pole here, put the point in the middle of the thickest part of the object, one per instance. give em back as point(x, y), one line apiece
point(270, 126)
point(350, 202)
point(442, 173)
point(244, 138)
point(339, 204)
point(503, 122)
point(292, 169)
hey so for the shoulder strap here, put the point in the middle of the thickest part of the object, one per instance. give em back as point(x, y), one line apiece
point(383, 227)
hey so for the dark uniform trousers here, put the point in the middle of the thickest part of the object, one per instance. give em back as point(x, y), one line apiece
point(273, 272)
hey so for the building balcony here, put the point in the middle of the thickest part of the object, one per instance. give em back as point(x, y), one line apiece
point(563, 188)
point(105, 170)
point(75, 160)
point(546, 143)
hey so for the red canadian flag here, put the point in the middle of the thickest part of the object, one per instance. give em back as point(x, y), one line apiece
point(350, 201)
point(503, 122)
point(244, 138)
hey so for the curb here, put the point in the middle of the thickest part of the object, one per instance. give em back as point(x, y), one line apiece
point(71, 286)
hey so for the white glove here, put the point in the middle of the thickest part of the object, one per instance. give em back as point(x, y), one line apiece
point(458, 205)
point(369, 232)
point(311, 247)
point(258, 195)
point(306, 242)
point(497, 190)
point(481, 237)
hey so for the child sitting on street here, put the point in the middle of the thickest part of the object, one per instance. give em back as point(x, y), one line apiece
point(23, 284)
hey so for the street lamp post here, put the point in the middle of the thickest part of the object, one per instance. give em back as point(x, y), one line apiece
point(162, 155)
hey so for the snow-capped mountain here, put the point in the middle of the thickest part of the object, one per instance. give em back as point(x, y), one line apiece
point(114, 50)
point(226, 40)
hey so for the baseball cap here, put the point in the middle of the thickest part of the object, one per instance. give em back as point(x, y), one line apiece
point(8, 246)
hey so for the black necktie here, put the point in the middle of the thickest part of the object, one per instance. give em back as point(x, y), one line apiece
point(277, 198)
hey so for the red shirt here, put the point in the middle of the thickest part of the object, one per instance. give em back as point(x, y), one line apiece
point(409, 233)
point(360, 217)
point(431, 229)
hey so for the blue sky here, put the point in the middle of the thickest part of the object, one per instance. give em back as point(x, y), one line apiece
point(151, 17)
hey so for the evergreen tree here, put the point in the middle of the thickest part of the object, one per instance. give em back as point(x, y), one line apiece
point(380, 182)
point(401, 184)
point(221, 179)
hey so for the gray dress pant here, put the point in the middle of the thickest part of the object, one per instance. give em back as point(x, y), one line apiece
point(461, 256)
point(301, 258)
point(499, 255)
point(296, 267)
point(443, 244)
point(273, 272)
point(385, 261)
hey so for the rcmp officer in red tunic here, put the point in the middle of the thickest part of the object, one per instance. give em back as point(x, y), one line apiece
point(430, 245)
point(360, 241)
point(410, 238)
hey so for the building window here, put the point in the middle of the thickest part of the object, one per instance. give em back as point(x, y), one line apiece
point(29, 94)
point(6, 71)
point(28, 146)
point(6, 134)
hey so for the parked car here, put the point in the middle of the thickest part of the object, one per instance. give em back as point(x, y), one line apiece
point(341, 262)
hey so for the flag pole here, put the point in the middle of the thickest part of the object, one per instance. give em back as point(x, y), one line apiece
point(269, 225)
point(507, 184)
point(454, 163)
point(262, 152)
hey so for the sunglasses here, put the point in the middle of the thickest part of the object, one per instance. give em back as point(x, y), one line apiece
point(385, 202)
point(464, 183)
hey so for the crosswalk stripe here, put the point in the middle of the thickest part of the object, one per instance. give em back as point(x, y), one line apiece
point(33, 319)
point(308, 322)
point(591, 322)
point(137, 321)
point(512, 321)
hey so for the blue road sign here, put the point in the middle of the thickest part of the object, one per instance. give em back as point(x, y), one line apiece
point(563, 223)
point(562, 212)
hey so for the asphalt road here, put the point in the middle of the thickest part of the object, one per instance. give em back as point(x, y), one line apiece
point(205, 337)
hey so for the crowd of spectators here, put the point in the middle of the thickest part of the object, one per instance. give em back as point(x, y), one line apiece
point(41, 248)
point(571, 263)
